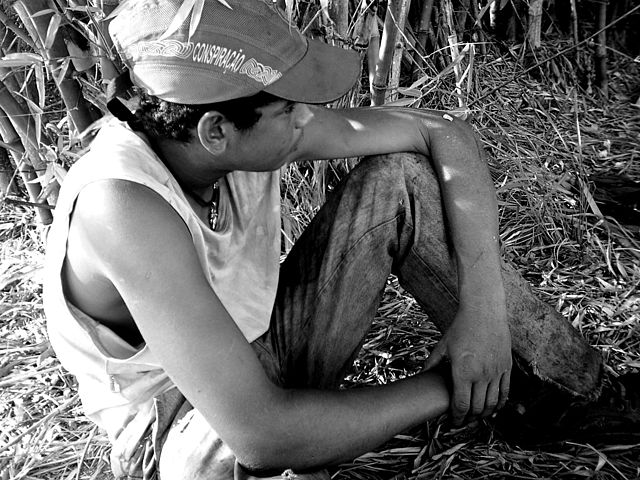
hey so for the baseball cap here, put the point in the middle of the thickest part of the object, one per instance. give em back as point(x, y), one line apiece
point(207, 51)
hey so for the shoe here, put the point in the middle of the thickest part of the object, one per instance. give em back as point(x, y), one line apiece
point(548, 417)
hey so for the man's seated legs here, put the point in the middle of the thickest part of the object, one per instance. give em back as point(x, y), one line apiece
point(385, 217)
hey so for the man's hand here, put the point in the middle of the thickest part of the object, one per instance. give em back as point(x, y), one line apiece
point(478, 345)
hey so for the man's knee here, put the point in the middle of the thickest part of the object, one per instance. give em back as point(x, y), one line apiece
point(406, 170)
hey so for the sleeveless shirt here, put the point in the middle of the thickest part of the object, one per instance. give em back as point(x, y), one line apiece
point(117, 381)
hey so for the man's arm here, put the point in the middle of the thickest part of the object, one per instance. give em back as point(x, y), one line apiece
point(140, 244)
point(478, 342)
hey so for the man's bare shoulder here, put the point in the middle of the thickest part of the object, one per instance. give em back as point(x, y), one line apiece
point(111, 221)
point(114, 200)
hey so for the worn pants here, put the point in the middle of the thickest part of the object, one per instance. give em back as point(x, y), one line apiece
point(385, 217)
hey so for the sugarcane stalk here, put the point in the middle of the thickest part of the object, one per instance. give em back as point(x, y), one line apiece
point(574, 22)
point(424, 29)
point(80, 111)
point(462, 16)
point(384, 59)
point(602, 77)
point(26, 171)
point(399, 48)
point(20, 131)
point(20, 128)
point(373, 53)
point(452, 39)
point(478, 31)
point(339, 13)
point(7, 174)
point(13, 151)
point(24, 125)
point(535, 23)
point(385, 56)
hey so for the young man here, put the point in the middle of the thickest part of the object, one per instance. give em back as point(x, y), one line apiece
point(163, 268)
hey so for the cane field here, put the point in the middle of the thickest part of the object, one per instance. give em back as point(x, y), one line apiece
point(551, 137)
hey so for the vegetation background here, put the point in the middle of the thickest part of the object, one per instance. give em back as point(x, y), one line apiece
point(552, 89)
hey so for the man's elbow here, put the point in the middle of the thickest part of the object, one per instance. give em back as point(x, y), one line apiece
point(460, 128)
point(275, 441)
point(271, 455)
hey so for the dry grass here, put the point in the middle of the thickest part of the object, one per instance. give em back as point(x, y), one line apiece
point(544, 140)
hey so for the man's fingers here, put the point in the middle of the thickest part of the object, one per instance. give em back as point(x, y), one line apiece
point(505, 383)
point(435, 357)
point(478, 398)
point(491, 400)
point(461, 401)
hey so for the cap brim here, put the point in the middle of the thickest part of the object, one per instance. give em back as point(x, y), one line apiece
point(323, 75)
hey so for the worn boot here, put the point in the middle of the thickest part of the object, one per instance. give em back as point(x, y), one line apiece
point(539, 415)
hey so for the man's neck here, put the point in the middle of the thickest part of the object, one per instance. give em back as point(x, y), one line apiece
point(190, 165)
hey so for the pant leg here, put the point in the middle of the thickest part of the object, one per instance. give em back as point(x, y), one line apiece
point(543, 341)
point(332, 281)
point(386, 216)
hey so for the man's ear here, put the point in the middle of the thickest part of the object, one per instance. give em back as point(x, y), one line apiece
point(213, 132)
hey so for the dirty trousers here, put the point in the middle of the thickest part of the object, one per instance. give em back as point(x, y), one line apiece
point(385, 217)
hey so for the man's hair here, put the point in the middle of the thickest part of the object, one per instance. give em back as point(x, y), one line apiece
point(159, 118)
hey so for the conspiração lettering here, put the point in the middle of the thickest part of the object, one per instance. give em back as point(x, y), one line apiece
point(218, 56)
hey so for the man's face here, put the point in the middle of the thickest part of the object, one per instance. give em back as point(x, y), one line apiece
point(273, 140)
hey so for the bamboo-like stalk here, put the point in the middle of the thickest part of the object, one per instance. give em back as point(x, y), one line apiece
point(373, 52)
point(24, 125)
point(494, 9)
point(339, 13)
point(535, 23)
point(25, 169)
point(471, 76)
point(80, 111)
point(424, 29)
point(7, 174)
point(452, 39)
point(20, 130)
point(385, 56)
point(11, 155)
point(461, 17)
point(602, 77)
point(574, 22)
point(11, 78)
point(398, 52)
point(478, 31)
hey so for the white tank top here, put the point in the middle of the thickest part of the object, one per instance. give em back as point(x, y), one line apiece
point(117, 381)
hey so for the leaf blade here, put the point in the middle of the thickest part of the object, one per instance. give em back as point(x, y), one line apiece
point(52, 30)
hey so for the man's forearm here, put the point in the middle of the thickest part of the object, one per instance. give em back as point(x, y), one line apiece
point(478, 342)
point(311, 428)
point(469, 201)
